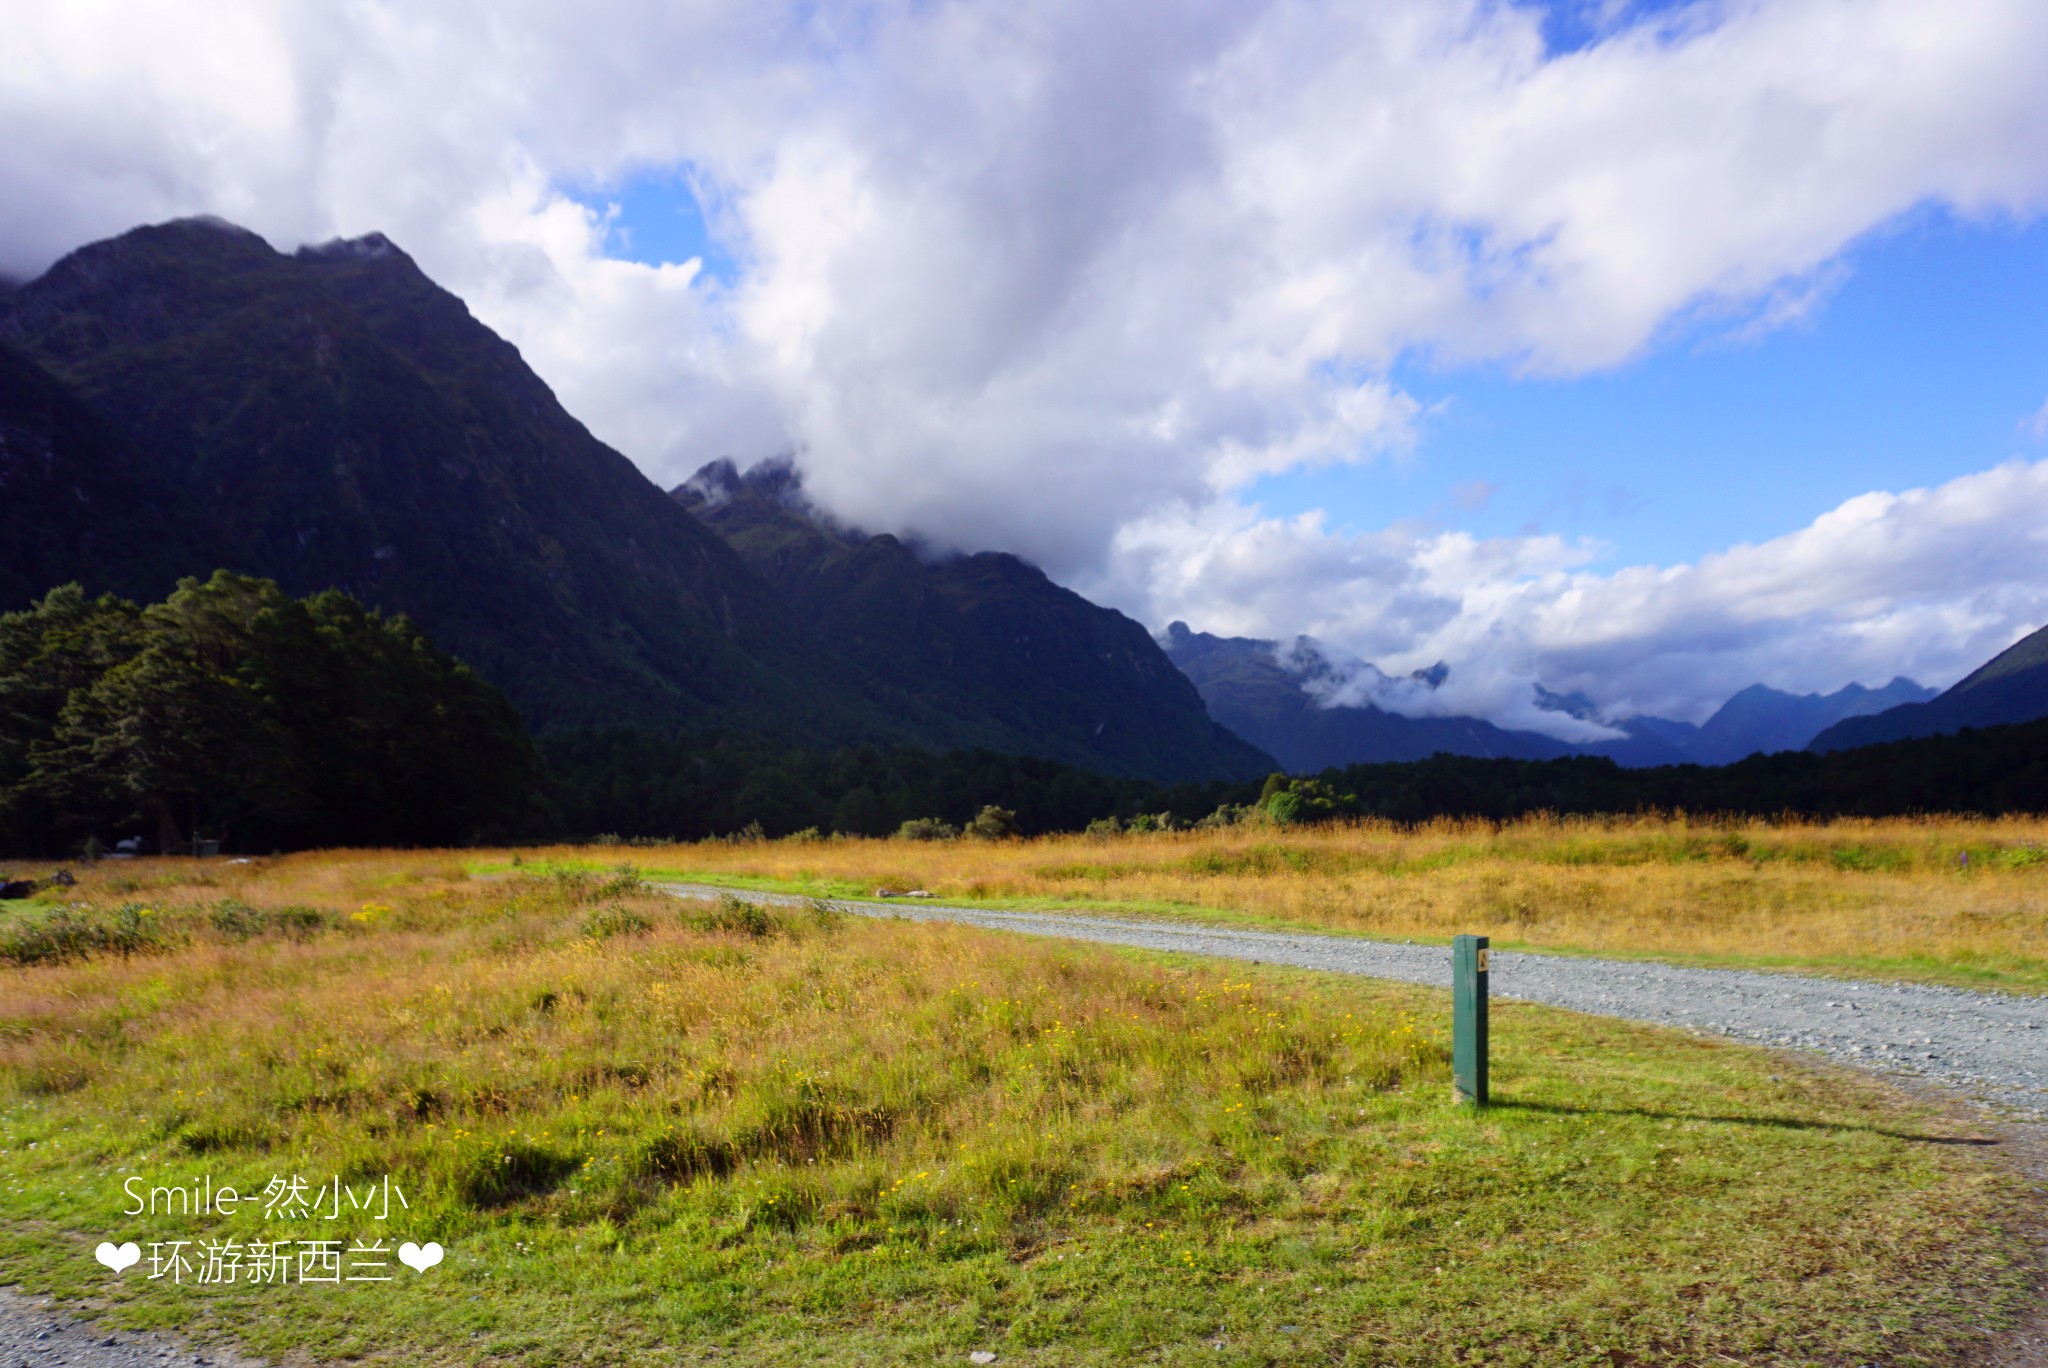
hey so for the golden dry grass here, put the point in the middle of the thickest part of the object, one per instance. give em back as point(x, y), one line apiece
point(1947, 900)
point(651, 1131)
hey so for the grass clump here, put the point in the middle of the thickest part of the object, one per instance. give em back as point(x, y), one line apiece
point(236, 920)
point(615, 919)
point(757, 921)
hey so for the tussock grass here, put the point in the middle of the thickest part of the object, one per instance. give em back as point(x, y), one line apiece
point(1960, 901)
point(650, 1131)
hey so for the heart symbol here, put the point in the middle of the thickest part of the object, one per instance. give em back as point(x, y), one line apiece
point(419, 1258)
point(117, 1257)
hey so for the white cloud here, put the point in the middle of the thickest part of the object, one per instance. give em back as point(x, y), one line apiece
point(2036, 425)
point(1063, 278)
point(1929, 582)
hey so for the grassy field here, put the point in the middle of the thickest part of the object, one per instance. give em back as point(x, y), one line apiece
point(651, 1131)
point(1952, 901)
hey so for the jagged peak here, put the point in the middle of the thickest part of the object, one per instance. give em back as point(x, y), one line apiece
point(775, 480)
point(369, 247)
point(712, 486)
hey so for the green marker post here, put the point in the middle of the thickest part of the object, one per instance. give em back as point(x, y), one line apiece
point(1468, 1019)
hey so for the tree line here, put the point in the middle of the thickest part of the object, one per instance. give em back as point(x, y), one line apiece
point(234, 712)
point(1990, 771)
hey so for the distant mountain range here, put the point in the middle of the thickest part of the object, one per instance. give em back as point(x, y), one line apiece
point(183, 397)
point(1270, 696)
point(1251, 692)
point(2011, 687)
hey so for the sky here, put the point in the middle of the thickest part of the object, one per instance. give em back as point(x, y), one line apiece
point(1643, 350)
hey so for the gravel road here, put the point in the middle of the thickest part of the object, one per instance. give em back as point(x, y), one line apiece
point(1990, 1046)
point(33, 1335)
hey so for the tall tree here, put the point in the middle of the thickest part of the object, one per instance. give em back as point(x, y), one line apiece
point(236, 710)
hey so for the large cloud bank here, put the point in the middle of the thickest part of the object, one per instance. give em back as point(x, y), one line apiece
point(1065, 278)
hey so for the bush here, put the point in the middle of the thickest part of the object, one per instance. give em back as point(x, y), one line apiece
point(1154, 821)
point(236, 919)
point(66, 933)
point(732, 914)
point(239, 921)
point(615, 920)
point(993, 823)
point(926, 829)
point(298, 921)
point(624, 882)
point(737, 916)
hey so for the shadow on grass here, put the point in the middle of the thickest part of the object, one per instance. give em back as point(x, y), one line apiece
point(1772, 1122)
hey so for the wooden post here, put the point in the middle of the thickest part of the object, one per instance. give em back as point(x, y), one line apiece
point(1468, 1019)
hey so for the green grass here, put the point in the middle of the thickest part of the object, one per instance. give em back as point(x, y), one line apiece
point(651, 1133)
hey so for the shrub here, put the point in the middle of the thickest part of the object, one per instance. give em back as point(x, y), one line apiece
point(236, 919)
point(926, 829)
point(993, 823)
point(1154, 821)
point(66, 933)
point(732, 914)
point(298, 921)
point(615, 919)
point(625, 881)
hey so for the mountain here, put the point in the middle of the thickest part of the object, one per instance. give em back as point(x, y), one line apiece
point(1270, 697)
point(1764, 720)
point(78, 501)
point(184, 398)
point(984, 649)
point(2010, 687)
point(1644, 741)
point(1251, 692)
point(1759, 719)
point(334, 418)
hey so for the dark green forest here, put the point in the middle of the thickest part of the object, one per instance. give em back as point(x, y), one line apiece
point(234, 712)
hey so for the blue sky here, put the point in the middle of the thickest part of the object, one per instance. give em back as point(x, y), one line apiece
point(654, 218)
point(1920, 366)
